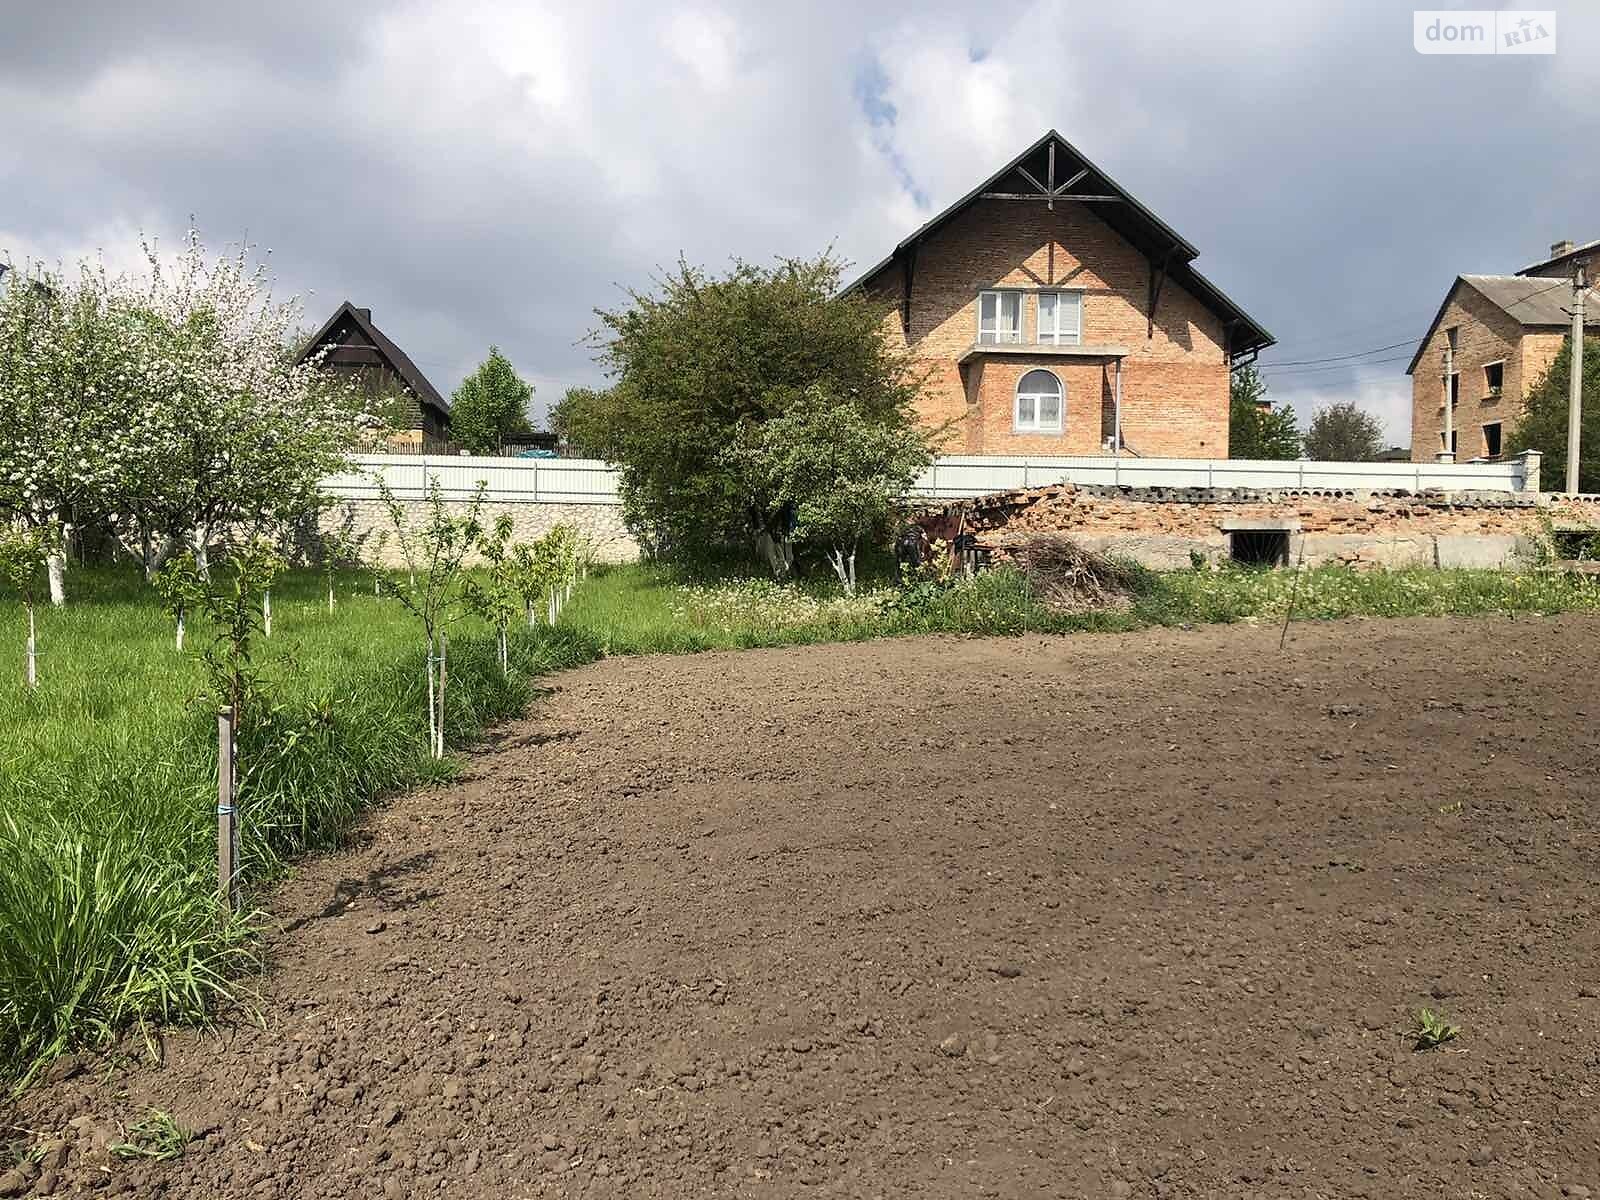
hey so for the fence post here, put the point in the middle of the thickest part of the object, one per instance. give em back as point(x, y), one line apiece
point(227, 814)
point(535, 463)
point(1530, 470)
point(933, 485)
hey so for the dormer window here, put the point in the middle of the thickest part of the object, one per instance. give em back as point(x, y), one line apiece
point(1060, 318)
point(999, 318)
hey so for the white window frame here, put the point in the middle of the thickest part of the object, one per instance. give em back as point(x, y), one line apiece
point(1000, 337)
point(1034, 424)
point(1057, 335)
point(1494, 391)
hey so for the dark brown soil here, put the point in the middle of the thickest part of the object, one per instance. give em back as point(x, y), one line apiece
point(1097, 916)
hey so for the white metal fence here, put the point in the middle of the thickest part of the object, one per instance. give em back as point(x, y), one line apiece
point(529, 480)
point(963, 475)
point(954, 477)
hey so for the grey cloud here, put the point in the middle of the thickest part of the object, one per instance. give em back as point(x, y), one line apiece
point(477, 172)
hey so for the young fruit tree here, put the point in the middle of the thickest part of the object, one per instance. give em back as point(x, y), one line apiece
point(231, 596)
point(495, 597)
point(23, 555)
point(836, 468)
point(532, 568)
point(434, 552)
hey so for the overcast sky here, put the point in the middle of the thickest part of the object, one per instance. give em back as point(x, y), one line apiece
point(481, 172)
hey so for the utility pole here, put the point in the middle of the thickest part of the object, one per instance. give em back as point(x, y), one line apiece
point(1575, 387)
point(1448, 453)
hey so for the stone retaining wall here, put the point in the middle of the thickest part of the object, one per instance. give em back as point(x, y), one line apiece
point(1165, 529)
point(600, 523)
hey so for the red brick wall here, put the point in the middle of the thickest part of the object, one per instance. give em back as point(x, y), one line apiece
point(1175, 378)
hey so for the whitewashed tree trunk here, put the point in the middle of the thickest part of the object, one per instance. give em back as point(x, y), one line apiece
point(550, 610)
point(179, 638)
point(200, 542)
point(505, 660)
point(837, 562)
point(33, 647)
point(330, 599)
point(433, 716)
point(56, 567)
point(266, 612)
point(851, 586)
point(444, 654)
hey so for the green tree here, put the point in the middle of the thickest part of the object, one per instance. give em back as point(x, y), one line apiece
point(1255, 429)
point(1343, 432)
point(834, 469)
point(1542, 424)
point(489, 404)
point(581, 417)
point(703, 358)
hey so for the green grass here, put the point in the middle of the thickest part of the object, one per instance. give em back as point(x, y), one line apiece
point(107, 788)
point(108, 912)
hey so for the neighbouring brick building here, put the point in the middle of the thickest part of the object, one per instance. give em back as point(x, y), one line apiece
point(1055, 314)
point(1503, 331)
point(357, 347)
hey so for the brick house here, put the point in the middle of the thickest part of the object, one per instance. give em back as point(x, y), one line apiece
point(1504, 331)
point(358, 348)
point(1055, 314)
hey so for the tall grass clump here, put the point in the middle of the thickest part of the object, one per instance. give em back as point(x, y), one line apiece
point(108, 909)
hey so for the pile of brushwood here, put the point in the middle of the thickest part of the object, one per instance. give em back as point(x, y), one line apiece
point(1068, 578)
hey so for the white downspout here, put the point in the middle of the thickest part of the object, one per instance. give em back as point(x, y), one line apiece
point(1116, 433)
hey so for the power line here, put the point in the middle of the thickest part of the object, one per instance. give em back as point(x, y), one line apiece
point(1346, 366)
point(1315, 340)
point(1296, 362)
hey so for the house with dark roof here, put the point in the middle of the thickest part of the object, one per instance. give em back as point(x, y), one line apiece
point(356, 347)
point(1053, 313)
point(1502, 333)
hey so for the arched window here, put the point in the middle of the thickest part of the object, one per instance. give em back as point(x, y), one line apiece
point(1039, 403)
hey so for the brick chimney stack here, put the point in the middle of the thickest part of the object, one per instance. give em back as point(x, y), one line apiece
point(1557, 249)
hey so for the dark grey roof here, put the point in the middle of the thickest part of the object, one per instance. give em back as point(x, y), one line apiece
point(1561, 264)
point(1532, 300)
point(398, 360)
point(1132, 220)
point(1536, 302)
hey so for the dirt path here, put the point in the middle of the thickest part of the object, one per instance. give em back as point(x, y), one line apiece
point(1094, 916)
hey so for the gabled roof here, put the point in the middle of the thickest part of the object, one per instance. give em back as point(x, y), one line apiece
point(1534, 302)
point(1561, 264)
point(395, 358)
point(1065, 173)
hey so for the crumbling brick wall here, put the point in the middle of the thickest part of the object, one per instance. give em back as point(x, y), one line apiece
point(1165, 528)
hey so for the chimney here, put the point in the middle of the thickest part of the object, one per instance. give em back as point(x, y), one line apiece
point(366, 313)
point(1557, 249)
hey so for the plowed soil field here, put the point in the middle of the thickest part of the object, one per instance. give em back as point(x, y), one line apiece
point(1098, 916)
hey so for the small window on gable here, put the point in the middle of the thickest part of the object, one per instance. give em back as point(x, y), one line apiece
point(1491, 439)
point(1039, 403)
point(999, 318)
point(1060, 318)
point(1494, 376)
